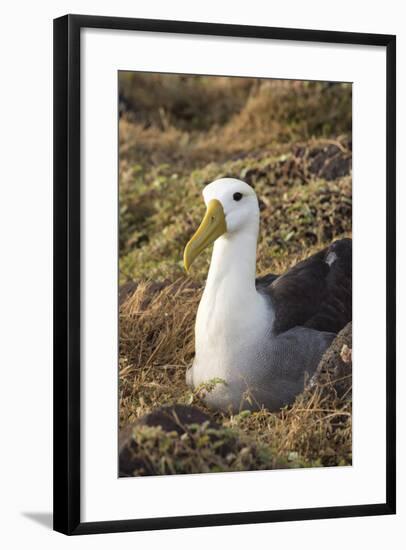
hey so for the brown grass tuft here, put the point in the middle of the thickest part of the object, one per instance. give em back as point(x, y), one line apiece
point(156, 346)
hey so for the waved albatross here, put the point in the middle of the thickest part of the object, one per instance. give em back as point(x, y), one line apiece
point(261, 337)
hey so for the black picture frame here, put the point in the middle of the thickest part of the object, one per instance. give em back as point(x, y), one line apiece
point(67, 286)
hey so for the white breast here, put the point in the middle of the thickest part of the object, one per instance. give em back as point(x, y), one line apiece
point(229, 332)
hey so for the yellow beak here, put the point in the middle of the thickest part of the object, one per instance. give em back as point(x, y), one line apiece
point(212, 227)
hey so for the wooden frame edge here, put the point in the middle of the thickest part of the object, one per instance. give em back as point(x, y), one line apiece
point(67, 274)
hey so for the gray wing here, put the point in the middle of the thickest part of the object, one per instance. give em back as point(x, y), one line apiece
point(292, 359)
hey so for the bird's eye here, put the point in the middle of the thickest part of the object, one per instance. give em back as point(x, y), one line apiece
point(237, 196)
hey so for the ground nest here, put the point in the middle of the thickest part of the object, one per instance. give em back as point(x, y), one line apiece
point(165, 426)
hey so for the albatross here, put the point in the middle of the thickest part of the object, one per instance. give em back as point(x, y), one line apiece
point(257, 340)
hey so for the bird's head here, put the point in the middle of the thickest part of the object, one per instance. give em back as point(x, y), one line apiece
point(232, 208)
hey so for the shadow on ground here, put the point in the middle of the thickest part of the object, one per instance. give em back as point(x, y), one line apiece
point(43, 518)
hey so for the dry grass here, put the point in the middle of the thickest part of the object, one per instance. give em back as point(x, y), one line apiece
point(156, 346)
point(291, 141)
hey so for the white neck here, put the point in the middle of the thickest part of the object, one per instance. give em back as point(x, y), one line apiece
point(230, 300)
point(233, 265)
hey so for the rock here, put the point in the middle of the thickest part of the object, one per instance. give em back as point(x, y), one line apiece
point(334, 373)
point(175, 418)
point(171, 419)
point(330, 162)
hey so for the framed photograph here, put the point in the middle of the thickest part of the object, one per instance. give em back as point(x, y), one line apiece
point(224, 254)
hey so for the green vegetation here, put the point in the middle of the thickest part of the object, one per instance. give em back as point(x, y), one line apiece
point(292, 142)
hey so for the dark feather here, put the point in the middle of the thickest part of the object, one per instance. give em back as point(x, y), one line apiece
point(313, 294)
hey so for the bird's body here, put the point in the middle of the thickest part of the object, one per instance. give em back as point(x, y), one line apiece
point(258, 340)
